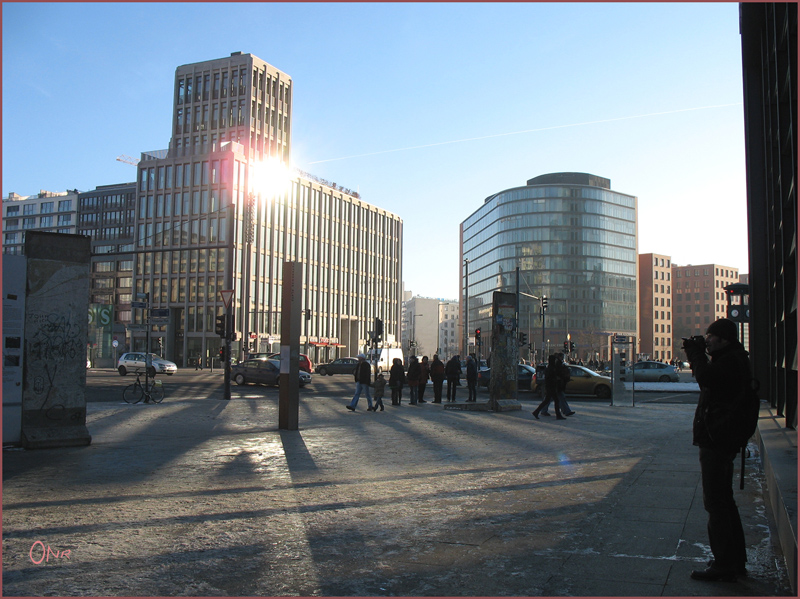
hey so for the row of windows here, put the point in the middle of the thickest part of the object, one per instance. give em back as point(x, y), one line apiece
point(234, 83)
point(210, 172)
point(720, 272)
point(182, 233)
point(661, 262)
point(662, 301)
point(113, 266)
point(116, 200)
point(44, 208)
point(30, 222)
point(661, 275)
point(14, 238)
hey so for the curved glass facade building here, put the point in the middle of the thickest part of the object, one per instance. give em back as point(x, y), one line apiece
point(575, 242)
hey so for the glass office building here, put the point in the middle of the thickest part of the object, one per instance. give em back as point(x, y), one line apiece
point(574, 241)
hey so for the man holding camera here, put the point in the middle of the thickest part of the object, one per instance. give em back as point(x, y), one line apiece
point(721, 380)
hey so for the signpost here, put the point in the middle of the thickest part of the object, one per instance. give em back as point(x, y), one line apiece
point(227, 296)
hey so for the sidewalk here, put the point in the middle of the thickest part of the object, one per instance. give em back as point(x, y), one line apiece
point(207, 497)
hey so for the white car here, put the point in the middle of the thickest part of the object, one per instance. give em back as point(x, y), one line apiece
point(135, 362)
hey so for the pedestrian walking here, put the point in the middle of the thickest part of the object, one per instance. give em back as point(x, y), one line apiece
point(380, 385)
point(396, 379)
point(722, 381)
point(472, 378)
point(363, 376)
point(564, 377)
point(551, 389)
point(412, 377)
point(453, 373)
point(437, 378)
point(423, 378)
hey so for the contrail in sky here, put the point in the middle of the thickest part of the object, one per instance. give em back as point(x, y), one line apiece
point(458, 141)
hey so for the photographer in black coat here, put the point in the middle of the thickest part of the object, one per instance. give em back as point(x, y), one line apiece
point(722, 381)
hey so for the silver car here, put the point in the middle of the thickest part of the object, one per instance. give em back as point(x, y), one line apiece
point(651, 372)
point(136, 362)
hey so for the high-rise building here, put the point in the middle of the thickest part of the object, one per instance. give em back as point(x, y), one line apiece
point(46, 211)
point(698, 297)
point(219, 210)
point(574, 240)
point(431, 324)
point(655, 307)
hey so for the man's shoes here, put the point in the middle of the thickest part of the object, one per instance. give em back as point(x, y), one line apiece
point(351, 408)
point(712, 574)
point(423, 401)
point(535, 414)
point(370, 409)
point(569, 414)
point(544, 413)
point(740, 571)
point(560, 418)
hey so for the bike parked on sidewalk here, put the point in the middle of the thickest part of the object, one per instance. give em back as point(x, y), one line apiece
point(152, 391)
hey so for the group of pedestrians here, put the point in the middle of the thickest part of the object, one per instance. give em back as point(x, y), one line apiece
point(556, 377)
point(416, 379)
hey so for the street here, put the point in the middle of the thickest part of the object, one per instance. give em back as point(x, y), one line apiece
point(106, 385)
point(202, 497)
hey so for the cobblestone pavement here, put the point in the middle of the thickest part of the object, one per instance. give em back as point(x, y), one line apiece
point(204, 497)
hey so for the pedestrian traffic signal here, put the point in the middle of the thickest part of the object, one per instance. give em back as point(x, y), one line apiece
point(571, 346)
point(222, 353)
point(544, 302)
point(477, 335)
point(566, 346)
point(378, 330)
point(219, 328)
point(523, 339)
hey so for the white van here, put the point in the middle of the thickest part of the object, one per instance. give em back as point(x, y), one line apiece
point(385, 357)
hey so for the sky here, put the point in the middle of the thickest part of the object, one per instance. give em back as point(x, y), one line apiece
point(425, 109)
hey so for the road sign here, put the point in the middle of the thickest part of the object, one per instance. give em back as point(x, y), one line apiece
point(227, 296)
point(621, 339)
point(138, 304)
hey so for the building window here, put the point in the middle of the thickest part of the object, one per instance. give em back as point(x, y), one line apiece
point(65, 205)
point(12, 211)
point(46, 221)
point(46, 208)
point(29, 209)
point(28, 223)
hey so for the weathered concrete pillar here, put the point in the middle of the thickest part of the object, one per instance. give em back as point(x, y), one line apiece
point(56, 328)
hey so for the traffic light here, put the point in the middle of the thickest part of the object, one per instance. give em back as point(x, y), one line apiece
point(571, 346)
point(477, 336)
point(544, 302)
point(220, 327)
point(566, 346)
point(222, 353)
point(378, 329)
point(523, 339)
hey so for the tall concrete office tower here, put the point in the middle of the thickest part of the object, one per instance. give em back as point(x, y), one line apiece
point(220, 210)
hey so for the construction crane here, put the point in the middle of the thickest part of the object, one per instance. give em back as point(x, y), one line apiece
point(128, 159)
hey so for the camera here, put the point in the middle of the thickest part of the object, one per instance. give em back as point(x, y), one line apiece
point(696, 341)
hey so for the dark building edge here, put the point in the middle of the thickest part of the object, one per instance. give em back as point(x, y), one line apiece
point(769, 69)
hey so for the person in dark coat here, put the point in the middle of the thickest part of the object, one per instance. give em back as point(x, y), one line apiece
point(412, 376)
point(423, 378)
point(722, 381)
point(472, 379)
point(437, 378)
point(363, 376)
point(551, 384)
point(396, 379)
point(453, 373)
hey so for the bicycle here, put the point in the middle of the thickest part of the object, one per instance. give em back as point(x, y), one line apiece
point(137, 391)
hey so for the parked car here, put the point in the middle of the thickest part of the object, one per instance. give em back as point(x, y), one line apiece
point(653, 372)
point(526, 377)
point(340, 366)
point(305, 361)
point(135, 362)
point(584, 381)
point(263, 372)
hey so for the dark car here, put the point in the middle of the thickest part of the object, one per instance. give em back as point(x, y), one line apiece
point(338, 366)
point(262, 372)
point(305, 361)
point(526, 377)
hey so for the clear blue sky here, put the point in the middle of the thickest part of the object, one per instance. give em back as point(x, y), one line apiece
point(426, 109)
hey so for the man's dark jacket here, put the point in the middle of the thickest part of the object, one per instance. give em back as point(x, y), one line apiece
point(723, 382)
